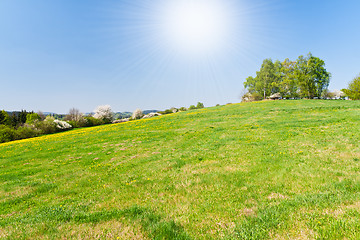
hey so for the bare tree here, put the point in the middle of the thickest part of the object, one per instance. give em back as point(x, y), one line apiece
point(74, 115)
point(41, 115)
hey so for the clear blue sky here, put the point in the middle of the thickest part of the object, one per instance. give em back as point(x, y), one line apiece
point(59, 54)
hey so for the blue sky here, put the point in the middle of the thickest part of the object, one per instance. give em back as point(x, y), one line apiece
point(59, 54)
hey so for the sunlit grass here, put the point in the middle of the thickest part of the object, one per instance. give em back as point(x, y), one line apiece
point(278, 170)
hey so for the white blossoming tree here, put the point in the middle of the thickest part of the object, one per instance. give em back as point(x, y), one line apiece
point(104, 113)
point(137, 114)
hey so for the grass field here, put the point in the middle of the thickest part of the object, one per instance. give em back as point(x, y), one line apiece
point(265, 170)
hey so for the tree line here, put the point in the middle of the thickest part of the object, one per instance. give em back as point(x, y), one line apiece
point(306, 77)
point(20, 125)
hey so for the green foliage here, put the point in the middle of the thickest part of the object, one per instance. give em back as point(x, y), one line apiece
point(91, 121)
point(307, 78)
point(32, 117)
point(4, 118)
point(353, 90)
point(47, 126)
point(251, 97)
point(26, 132)
point(267, 80)
point(199, 105)
point(167, 111)
point(192, 107)
point(311, 76)
point(23, 116)
point(7, 134)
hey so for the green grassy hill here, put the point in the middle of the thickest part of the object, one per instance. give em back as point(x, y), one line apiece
point(266, 170)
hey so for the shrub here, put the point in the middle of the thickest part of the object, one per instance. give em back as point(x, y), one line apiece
point(251, 97)
point(137, 114)
point(167, 111)
point(91, 121)
point(192, 107)
point(26, 132)
point(183, 109)
point(47, 126)
point(7, 134)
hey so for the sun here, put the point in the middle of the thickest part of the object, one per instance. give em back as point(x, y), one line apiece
point(195, 28)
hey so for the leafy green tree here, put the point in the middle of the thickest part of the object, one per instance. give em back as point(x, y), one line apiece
point(288, 87)
point(32, 117)
point(199, 105)
point(353, 90)
point(267, 80)
point(311, 76)
point(4, 118)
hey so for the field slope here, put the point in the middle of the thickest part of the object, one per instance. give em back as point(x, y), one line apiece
point(266, 170)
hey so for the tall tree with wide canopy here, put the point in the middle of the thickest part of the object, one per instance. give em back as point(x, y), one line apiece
point(311, 76)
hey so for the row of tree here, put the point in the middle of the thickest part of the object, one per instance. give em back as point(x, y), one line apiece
point(306, 77)
point(20, 125)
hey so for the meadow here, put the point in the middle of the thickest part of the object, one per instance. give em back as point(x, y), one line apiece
point(261, 170)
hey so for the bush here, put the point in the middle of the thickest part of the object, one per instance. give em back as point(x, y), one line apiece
point(251, 97)
point(91, 121)
point(192, 107)
point(7, 134)
point(26, 132)
point(47, 126)
point(167, 111)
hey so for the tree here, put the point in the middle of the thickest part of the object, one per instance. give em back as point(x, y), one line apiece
point(4, 118)
point(137, 114)
point(22, 116)
point(267, 80)
point(32, 117)
point(74, 115)
point(311, 76)
point(353, 90)
point(199, 105)
point(104, 113)
point(288, 87)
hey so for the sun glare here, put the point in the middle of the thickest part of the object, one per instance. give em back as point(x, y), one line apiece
point(195, 28)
